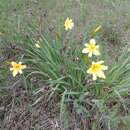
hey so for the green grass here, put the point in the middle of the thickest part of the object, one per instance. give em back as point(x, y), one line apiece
point(59, 63)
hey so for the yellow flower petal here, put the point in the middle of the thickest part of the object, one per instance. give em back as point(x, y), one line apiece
point(101, 74)
point(89, 71)
point(96, 52)
point(86, 44)
point(100, 62)
point(94, 77)
point(37, 45)
point(97, 46)
point(11, 69)
point(90, 54)
point(93, 62)
point(20, 71)
point(13, 63)
point(104, 67)
point(14, 73)
point(85, 50)
point(92, 41)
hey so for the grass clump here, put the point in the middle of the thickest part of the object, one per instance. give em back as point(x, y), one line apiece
point(63, 68)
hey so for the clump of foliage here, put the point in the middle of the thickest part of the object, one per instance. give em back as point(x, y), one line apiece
point(63, 69)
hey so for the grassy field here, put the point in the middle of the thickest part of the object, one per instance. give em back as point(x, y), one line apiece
point(55, 92)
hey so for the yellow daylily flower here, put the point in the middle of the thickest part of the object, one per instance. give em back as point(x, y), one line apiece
point(37, 45)
point(96, 70)
point(17, 68)
point(91, 48)
point(97, 29)
point(128, 49)
point(1, 33)
point(68, 24)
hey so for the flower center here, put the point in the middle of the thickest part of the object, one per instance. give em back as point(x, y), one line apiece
point(96, 67)
point(17, 66)
point(68, 23)
point(92, 47)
